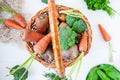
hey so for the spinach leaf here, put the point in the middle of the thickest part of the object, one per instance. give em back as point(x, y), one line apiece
point(102, 75)
point(92, 74)
point(67, 37)
point(111, 71)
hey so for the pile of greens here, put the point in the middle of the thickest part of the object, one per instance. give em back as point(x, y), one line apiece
point(104, 72)
point(100, 5)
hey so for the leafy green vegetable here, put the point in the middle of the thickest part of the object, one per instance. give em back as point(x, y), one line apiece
point(102, 75)
point(92, 74)
point(104, 72)
point(100, 5)
point(79, 26)
point(67, 37)
point(70, 20)
point(45, 1)
point(54, 76)
point(111, 71)
point(19, 73)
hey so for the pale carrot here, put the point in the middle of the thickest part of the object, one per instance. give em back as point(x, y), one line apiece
point(29, 35)
point(104, 33)
point(42, 24)
point(42, 44)
point(12, 24)
point(83, 42)
point(55, 38)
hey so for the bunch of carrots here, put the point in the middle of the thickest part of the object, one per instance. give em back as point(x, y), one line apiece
point(19, 21)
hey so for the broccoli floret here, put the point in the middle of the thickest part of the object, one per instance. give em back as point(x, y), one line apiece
point(67, 37)
point(79, 26)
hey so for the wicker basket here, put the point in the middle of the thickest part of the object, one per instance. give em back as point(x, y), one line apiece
point(45, 10)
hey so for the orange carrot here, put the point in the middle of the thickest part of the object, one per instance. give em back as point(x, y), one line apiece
point(20, 19)
point(107, 38)
point(12, 24)
point(83, 42)
point(42, 44)
point(104, 33)
point(30, 35)
point(17, 17)
point(55, 38)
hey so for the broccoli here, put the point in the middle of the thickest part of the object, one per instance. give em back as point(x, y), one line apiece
point(79, 26)
point(67, 37)
point(70, 20)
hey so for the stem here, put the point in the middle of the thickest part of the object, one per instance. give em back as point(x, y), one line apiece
point(110, 50)
point(27, 68)
point(72, 13)
point(79, 66)
point(1, 20)
point(7, 9)
point(21, 66)
point(75, 64)
point(8, 68)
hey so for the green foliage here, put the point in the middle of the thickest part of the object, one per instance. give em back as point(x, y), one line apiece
point(67, 37)
point(17, 75)
point(54, 76)
point(103, 72)
point(100, 5)
point(45, 1)
point(93, 73)
point(79, 26)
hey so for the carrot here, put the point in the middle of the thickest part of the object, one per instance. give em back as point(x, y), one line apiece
point(17, 17)
point(83, 42)
point(12, 24)
point(20, 19)
point(55, 38)
point(42, 44)
point(30, 35)
point(42, 24)
point(104, 33)
point(107, 38)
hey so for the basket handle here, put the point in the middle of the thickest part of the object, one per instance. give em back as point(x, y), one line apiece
point(55, 38)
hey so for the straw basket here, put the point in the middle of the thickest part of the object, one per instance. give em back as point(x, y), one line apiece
point(59, 7)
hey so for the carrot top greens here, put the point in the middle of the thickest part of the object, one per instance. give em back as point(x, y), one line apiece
point(100, 5)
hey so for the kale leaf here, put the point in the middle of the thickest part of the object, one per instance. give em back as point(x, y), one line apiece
point(67, 37)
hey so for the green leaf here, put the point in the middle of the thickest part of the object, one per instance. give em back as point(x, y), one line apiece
point(79, 26)
point(19, 73)
point(111, 71)
point(45, 1)
point(102, 75)
point(92, 74)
